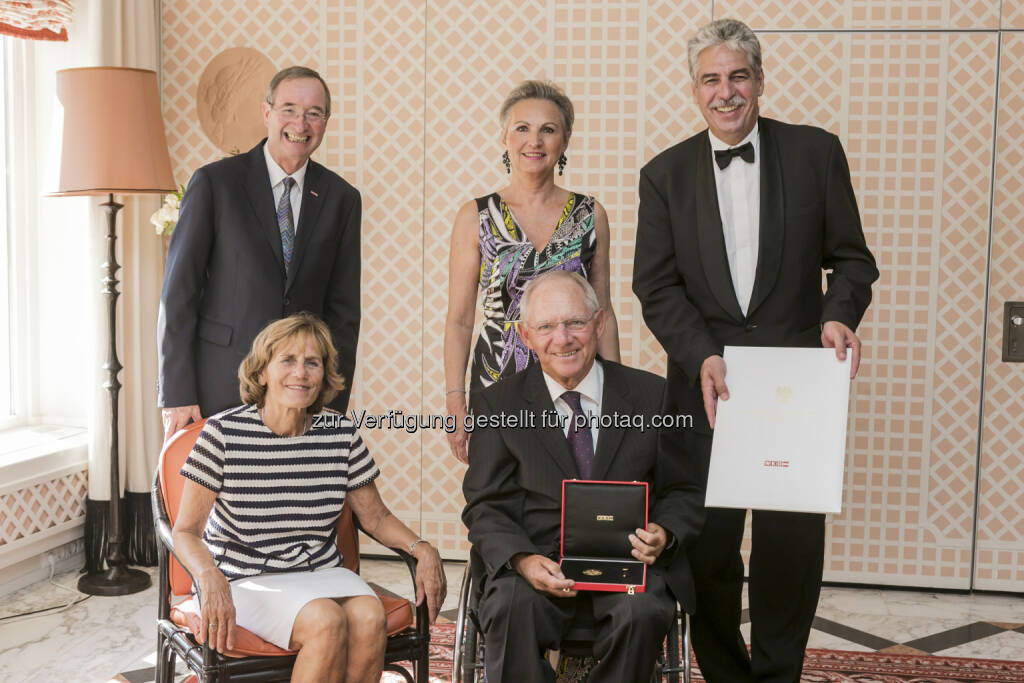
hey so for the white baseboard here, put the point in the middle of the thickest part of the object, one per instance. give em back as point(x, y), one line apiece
point(66, 556)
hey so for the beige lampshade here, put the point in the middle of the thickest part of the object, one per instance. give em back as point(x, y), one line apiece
point(114, 139)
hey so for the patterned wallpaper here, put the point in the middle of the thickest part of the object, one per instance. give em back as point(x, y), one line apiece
point(924, 196)
point(416, 86)
point(872, 15)
point(1000, 563)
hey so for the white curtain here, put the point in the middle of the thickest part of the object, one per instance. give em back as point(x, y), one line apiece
point(60, 244)
point(125, 33)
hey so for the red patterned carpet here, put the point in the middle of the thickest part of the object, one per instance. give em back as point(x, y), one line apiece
point(836, 666)
point(821, 666)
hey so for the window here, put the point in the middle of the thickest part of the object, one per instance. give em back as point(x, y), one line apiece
point(49, 270)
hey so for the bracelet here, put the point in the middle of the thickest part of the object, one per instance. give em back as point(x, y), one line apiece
point(412, 546)
point(455, 391)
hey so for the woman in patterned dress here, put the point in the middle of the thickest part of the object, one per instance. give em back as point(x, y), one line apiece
point(264, 486)
point(501, 241)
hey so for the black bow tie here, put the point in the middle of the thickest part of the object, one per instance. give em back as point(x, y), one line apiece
point(723, 157)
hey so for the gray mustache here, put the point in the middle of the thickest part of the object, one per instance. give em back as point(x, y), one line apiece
point(734, 101)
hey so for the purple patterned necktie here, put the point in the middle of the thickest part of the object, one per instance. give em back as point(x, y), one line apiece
point(581, 441)
point(285, 221)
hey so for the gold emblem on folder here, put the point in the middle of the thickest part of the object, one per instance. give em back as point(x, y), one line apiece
point(606, 518)
point(592, 572)
point(783, 394)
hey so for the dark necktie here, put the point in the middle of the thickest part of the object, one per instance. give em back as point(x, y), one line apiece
point(724, 157)
point(581, 441)
point(286, 222)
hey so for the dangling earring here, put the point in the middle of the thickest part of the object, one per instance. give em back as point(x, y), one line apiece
point(561, 163)
point(508, 162)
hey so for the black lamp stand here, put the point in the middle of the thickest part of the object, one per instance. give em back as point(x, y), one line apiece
point(118, 578)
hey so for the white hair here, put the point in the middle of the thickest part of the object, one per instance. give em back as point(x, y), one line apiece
point(730, 33)
point(589, 295)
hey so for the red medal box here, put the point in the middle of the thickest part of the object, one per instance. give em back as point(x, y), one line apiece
point(597, 519)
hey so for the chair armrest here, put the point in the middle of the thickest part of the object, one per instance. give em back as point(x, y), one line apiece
point(163, 533)
point(422, 611)
point(162, 523)
point(410, 561)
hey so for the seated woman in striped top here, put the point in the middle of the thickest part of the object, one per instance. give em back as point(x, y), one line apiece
point(264, 487)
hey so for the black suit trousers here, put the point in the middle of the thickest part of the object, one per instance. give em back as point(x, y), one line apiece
point(520, 624)
point(786, 562)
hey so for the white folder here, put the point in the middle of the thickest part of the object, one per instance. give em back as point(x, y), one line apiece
point(780, 439)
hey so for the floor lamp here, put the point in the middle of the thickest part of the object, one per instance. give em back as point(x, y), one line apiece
point(114, 143)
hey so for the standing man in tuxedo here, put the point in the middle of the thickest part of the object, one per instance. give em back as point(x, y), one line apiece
point(260, 236)
point(513, 494)
point(735, 227)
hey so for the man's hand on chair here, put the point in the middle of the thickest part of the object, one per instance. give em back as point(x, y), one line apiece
point(543, 574)
point(177, 418)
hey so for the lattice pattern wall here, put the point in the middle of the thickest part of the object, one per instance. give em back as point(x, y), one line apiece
point(924, 200)
point(1001, 512)
point(42, 506)
point(416, 88)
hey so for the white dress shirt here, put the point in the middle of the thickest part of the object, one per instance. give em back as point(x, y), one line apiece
point(590, 389)
point(277, 176)
point(739, 203)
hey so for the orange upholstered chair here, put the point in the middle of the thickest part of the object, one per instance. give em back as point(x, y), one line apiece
point(254, 659)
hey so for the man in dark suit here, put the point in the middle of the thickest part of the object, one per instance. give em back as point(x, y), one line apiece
point(735, 227)
point(261, 235)
point(513, 494)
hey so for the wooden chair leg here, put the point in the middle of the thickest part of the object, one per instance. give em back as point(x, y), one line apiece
point(421, 667)
point(161, 665)
point(164, 660)
point(170, 660)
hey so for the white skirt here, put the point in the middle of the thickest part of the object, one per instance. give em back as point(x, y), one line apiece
point(268, 604)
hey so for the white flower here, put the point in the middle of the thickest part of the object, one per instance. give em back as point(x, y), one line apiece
point(166, 217)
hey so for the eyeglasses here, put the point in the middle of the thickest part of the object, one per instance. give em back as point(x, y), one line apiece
point(311, 116)
point(549, 327)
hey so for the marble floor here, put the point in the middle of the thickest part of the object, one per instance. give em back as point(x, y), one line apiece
point(113, 639)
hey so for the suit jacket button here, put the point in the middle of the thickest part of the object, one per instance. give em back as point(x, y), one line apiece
point(287, 302)
point(751, 327)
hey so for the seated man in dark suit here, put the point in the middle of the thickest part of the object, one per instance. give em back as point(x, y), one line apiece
point(513, 495)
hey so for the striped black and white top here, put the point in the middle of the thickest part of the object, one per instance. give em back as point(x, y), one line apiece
point(278, 497)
